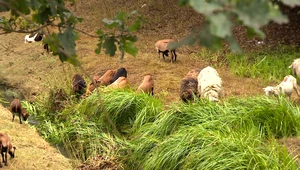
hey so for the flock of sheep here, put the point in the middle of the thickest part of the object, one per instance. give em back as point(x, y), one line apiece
point(288, 84)
point(205, 83)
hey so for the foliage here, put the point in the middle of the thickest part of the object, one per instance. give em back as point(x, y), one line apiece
point(222, 16)
point(36, 15)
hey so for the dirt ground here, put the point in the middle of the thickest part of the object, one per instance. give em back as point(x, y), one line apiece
point(25, 66)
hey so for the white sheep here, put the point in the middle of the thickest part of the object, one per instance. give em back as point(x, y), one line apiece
point(287, 86)
point(210, 84)
point(295, 66)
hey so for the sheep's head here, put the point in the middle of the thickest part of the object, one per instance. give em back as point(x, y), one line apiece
point(269, 90)
point(25, 114)
point(11, 151)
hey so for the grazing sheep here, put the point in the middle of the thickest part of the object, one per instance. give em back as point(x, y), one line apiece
point(161, 46)
point(189, 85)
point(210, 84)
point(121, 82)
point(295, 66)
point(287, 86)
point(107, 77)
point(147, 86)
point(78, 85)
point(6, 147)
point(33, 37)
point(16, 107)
point(121, 72)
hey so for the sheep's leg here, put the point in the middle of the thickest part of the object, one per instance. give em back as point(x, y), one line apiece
point(296, 88)
point(20, 118)
point(13, 117)
point(5, 163)
point(175, 55)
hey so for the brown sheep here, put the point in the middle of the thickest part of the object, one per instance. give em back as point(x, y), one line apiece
point(107, 77)
point(189, 85)
point(121, 82)
point(6, 147)
point(16, 107)
point(161, 46)
point(147, 86)
point(78, 85)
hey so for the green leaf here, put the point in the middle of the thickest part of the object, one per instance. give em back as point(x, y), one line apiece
point(67, 40)
point(53, 6)
point(21, 6)
point(204, 7)
point(183, 2)
point(291, 3)
point(208, 40)
point(110, 46)
point(234, 45)
point(130, 48)
point(121, 16)
point(135, 26)
point(4, 8)
point(35, 4)
point(111, 23)
point(220, 25)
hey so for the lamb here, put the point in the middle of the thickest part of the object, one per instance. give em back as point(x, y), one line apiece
point(121, 82)
point(288, 84)
point(210, 84)
point(295, 66)
point(33, 38)
point(189, 85)
point(121, 72)
point(78, 85)
point(161, 46)
point(16, 107)
point(147, 86)
point(6, 147)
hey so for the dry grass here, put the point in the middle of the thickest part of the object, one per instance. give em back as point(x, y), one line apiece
point(33, 152)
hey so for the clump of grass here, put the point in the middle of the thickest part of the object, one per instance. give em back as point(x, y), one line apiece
point(269, 65)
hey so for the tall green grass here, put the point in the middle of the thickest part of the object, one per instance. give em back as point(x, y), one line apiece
point(269, 65)
point(140, 133)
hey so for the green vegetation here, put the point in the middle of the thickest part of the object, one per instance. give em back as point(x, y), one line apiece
point(139, 132)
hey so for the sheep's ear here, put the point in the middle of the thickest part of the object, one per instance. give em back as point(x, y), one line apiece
point(14, 148)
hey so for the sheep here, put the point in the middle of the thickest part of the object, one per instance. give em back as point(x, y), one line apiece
point(6, 147)
point(121, 82)
point(295, 66)
point(189, 85)
point(33, 37)
point(16, 107)
point(107, 77)
point(210, 84)
point(147, 86)
point(161, 46)
point(288, 84)
point(121, 72)
point(78, 85)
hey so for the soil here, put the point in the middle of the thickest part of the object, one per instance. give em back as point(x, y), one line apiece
point(160, 25)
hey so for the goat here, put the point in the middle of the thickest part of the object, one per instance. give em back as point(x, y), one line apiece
point(288, 84)
point(210, 84)
point(6, 147)
point(107, 77)
point(189, 85)
point(161, 46)
point(33, 37)
point(16, 107)
point(121, 72)
point(295, 66)
point(121, 82)
point(78, 85)
point(147, 86)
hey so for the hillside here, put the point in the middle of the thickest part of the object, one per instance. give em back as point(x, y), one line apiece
point(26, 71)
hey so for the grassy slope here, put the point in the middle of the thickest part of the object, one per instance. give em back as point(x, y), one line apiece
point(33, 152)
